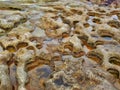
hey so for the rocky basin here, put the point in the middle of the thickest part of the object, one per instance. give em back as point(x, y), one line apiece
point(60, 45)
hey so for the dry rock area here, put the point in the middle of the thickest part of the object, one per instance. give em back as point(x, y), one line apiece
point(60, 45)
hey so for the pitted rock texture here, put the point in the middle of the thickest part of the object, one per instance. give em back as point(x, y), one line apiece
point(62, 45)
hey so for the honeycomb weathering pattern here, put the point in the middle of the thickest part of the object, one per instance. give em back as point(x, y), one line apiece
point(61, 45)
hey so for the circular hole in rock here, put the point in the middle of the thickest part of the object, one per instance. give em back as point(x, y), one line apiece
point(95, 56)
point(115, 60)
point(114, 72)
point(22, 45)
point(107, 37)
point(11, 48)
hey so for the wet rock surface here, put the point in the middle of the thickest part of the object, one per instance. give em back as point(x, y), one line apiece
point(60, 45)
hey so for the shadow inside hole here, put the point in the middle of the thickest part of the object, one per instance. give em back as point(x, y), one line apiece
point(114, 72)
point(114, 60)
point(107, 37)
